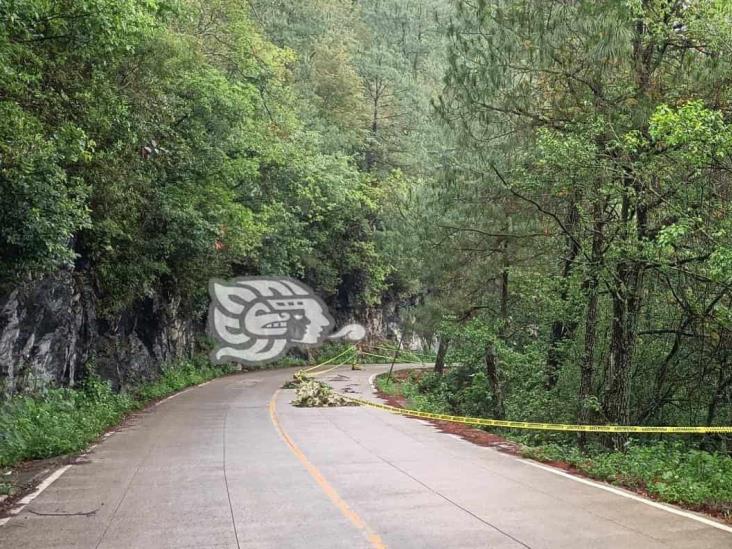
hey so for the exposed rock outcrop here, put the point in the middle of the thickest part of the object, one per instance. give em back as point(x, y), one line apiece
point(49, 331)
point(383, 322)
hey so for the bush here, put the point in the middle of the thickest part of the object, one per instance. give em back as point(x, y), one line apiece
point(59, 422)
point(410, 389)
point(388, 385)
point(667, 470)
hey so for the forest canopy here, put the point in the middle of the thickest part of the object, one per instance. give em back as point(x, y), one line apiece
point(154, 144)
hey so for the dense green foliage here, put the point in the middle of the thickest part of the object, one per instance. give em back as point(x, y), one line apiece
point(575, 249)
point(62, 421)
point(154, 144)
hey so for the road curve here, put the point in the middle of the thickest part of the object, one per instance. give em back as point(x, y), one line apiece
point(232, 464)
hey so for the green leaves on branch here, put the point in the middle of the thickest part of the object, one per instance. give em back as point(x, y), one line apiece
point(158, 143)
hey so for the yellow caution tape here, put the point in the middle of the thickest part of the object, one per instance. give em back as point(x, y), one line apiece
point(405, 353)
point(389, 358)
point(313, 374)
point(388, 350)
point(329, 360)
point(540, 426)
point(378, 356)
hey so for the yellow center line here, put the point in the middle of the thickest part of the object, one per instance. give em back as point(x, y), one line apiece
point(324, 485)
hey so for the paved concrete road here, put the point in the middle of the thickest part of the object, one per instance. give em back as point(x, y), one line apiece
point(226, 465)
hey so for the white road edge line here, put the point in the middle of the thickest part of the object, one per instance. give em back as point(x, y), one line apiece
point(159, 402)
point(601, 486)
point(371, 382)
point(625, 494)
point(50, 479)
point(166, 399)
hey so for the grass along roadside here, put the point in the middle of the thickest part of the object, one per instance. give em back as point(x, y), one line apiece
point(63, 421)
point(666, 470)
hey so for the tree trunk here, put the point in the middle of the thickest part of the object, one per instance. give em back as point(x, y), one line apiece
point(370, 156)
point(504, 303)
point(587, 366)
point(491, 368)
point(441, 353)
point(723, 383)
point(626, 304)
point(505, 264)
point(561, 329)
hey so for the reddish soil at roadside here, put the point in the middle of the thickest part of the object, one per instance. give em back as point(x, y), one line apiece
point(723, 513)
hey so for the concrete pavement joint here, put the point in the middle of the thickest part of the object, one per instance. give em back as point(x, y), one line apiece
point(543, 511)
point(124, 494)
point(324, 485)
point(595, 484)
point(22, 503)
point(429, 488)
point(226, 481)
point(496, 473)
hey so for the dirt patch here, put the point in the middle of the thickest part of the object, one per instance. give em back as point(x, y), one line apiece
point(479, 437)
point(721, 512)
point(392, 400)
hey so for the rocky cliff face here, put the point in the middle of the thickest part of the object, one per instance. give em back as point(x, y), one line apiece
point(49, 331)
point(382, 323)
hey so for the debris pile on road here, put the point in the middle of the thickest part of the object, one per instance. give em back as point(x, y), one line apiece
point(311, 394)
point(297, 379)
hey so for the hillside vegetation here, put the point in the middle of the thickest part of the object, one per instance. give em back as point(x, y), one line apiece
point(540, 188)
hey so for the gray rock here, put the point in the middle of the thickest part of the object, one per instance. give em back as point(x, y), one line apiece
point(49, 331)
